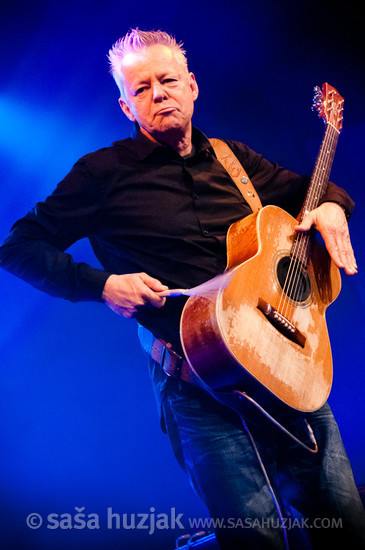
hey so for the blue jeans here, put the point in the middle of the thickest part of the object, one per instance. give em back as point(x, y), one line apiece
point(269, 492)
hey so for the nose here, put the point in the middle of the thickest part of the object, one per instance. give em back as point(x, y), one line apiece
point(159, 93)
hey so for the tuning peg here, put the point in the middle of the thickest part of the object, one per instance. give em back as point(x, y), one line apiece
point(317, 105)
point(317, 95)
point(317, 99)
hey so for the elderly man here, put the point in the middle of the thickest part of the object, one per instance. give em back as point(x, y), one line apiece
point(156, 208)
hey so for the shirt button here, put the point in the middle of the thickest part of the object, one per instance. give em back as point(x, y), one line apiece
point(195, 196)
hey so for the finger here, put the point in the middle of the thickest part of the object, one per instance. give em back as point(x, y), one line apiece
point(154, 299)
point(153, 283)
point(127, 312)
point(334, 251)
point(153, 288)
point(337, 237)
point(343, 251)
point(339, 248)
point(346, 254)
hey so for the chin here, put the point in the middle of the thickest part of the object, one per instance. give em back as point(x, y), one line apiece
point(172, 125)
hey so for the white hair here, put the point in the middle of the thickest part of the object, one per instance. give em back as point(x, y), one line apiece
point(136, 40)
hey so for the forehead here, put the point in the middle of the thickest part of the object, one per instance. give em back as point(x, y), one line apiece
point(155, 53)
point(154, 58)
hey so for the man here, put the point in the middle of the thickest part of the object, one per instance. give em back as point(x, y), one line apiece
point(156, 208)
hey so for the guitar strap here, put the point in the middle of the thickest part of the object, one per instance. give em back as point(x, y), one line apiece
point(235, 169)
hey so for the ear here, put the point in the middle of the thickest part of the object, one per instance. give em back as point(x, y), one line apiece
point(193, 86)
point(126, 110)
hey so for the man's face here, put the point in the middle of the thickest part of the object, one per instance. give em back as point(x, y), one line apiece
point(159, 92)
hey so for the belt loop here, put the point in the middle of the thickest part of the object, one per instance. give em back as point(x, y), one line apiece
point(163, 354)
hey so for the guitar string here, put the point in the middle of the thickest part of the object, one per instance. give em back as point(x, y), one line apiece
point(302, 243)
point(300, 254)
point(291, 281)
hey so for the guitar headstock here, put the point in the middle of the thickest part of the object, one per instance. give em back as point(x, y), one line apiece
point(329, 104)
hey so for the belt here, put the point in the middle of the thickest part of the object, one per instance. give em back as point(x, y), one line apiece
point(160, 351)
point(172, 363)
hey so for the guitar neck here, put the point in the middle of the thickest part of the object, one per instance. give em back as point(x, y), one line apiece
point(317, 187)
point(322, 169)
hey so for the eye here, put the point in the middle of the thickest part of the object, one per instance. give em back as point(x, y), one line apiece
point(140, 90)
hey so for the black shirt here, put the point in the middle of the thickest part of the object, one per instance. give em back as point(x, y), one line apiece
point(145, 208)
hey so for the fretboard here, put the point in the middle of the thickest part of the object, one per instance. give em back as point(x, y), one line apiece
point(316, 190)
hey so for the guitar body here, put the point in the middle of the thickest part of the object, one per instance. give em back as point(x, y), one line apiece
point(234, 340)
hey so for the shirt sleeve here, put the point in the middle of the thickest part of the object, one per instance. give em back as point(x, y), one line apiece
point(35, 247)
point(281, 187)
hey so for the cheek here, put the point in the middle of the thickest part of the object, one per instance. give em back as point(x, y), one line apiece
point(141, 110)
point(189, 106)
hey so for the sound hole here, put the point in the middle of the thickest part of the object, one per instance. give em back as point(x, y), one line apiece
point(293, 279)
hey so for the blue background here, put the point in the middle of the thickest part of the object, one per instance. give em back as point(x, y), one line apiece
point(79, 426)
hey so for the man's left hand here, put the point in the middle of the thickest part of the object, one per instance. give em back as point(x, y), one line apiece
point(330, 220)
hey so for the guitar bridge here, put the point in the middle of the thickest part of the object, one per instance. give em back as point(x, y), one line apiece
point(281, 323)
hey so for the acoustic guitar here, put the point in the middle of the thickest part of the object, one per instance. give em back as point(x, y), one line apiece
point(266, 333)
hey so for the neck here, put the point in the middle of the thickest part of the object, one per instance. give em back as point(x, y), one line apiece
point(178, 139)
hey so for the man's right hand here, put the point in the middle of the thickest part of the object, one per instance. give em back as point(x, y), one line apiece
point(124, 294)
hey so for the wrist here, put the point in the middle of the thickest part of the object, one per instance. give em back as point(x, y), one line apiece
point(342, 206)
point(347, 213)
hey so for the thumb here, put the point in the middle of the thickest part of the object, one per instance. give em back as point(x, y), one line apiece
point(307, 223)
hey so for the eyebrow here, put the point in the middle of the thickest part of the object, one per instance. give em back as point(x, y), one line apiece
point(164, 74)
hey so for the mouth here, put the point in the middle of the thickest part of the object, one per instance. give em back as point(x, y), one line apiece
point(165, 111)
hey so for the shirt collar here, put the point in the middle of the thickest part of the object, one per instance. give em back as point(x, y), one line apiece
point(143, 147)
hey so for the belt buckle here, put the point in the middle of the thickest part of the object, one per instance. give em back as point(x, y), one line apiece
point(173, 370)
